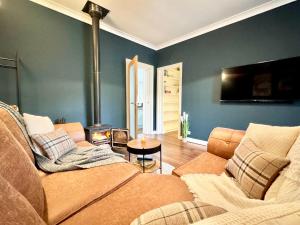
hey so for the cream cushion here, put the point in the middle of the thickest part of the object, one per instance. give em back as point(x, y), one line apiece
point(289, 191)
point(284, 189)
point(273, 190)
point(293, 170)
point(273, 139)
point(287, 186)
point(38, 124)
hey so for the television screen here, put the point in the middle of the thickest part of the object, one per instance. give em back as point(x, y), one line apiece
point(267, 81)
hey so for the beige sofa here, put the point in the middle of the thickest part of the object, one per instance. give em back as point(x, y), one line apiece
point(112, 194)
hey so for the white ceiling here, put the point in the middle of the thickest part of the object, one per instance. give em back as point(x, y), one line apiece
point(160, 23)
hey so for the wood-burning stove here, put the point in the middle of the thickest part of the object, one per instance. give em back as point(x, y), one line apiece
point(98, 135)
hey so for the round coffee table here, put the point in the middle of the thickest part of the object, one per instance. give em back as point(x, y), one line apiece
point(146, 147)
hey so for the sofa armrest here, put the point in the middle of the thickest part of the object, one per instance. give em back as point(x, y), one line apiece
point(223, 141)
point(75, 130)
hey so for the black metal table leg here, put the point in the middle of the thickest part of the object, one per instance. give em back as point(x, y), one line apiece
point(151, 146)
point(143, 163)
point(160, 161)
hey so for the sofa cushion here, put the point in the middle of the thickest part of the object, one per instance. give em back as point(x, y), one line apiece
point(54, 144)
point(292, 171)
point(16, 131)
point(15, 209)
point(254, 169)
point(84, 144)
point(68, 192)
point(17, 168)
point(74, 130)
point(287, 183)
point(204, 163)
point(273, 139)
point(38, 124)
point(141, 194)
point(182, 213)
point(223, 141)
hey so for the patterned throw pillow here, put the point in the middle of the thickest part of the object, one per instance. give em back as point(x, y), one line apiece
point(254, 169)
point(54, 144)
point(178, 213)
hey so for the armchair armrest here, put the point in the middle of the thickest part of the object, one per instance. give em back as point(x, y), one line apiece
point(223, 141)
point(75, 130)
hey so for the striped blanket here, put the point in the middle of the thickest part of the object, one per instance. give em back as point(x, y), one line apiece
point(78, 158)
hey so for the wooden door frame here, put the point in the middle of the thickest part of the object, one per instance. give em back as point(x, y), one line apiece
point(159, 100)
point(149, 125)
point(134, 62)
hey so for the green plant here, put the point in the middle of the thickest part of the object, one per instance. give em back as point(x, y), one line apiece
point(185, 126)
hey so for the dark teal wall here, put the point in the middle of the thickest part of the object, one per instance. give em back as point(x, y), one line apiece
point(272, 35)
point(56, 66)
point(56, 63)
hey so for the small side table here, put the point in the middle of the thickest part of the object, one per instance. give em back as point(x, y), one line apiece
point(147, 147)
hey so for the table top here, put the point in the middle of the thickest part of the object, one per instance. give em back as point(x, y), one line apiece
point(149, 146)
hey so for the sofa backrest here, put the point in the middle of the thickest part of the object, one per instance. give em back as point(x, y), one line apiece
point(16, 131)
point(17, 168)
point(223, 141)
point(74, 130)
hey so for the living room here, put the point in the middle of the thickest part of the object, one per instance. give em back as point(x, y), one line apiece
point(50, 46)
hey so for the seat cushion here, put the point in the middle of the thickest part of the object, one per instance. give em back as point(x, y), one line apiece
point(15, 209)
point(16, 131)
point(204, 163)
point(68, 192)
point(141, 194)
point(17, 168)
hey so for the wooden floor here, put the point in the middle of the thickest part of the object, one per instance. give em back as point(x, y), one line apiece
point(174, 151)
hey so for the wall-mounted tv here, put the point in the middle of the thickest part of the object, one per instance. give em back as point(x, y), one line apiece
point(272, 81)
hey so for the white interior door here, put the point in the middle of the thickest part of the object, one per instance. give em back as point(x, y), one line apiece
point(148, 93)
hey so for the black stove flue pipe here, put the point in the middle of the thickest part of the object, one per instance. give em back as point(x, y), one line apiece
point(96, 12)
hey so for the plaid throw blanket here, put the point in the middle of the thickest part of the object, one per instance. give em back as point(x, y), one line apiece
point(78, 158)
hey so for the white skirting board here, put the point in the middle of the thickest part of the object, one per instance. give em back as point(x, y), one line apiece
point(191, 140)
point(197, 141)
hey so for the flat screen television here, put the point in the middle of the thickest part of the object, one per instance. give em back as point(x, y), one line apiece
point(272, 81)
